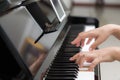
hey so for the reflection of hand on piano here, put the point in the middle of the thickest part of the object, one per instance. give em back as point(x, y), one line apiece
point(36, 65)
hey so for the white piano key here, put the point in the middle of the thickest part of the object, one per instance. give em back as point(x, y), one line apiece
point(89, 27)
point(85, 75)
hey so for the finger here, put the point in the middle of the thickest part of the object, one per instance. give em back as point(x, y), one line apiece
point(82, 42)
point(93, 64)
point(76, 40)
point(78, 44)
point(80, 59)
point(82, 62)
point(74, 57)
point(97, 42)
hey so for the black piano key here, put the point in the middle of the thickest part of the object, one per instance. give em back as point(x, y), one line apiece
point(67, 43)
point(64, 55)
point(65, 64)
point(74, 50)
point(70, 46)
point(71, 36)
point(70, 39)
point(77, 27)
point(63, 75)
point(74, 32)
point(62, 72)
point(58, 64)
point(65, 67)
point(62, 59)
point(60, 69)
point(70, 67)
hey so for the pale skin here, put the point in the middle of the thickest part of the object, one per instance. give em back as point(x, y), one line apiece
point(101, 55)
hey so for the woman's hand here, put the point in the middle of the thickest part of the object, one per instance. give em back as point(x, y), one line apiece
point(97, 56)
point(99, 34)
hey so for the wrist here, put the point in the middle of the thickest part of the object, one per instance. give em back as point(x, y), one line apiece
point(110, 28)
point(114, 29)
point(116, 53)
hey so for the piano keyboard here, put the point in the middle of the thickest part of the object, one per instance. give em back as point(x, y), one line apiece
point(62, 68)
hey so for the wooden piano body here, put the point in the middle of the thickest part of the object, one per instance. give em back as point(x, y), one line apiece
point(57, 44)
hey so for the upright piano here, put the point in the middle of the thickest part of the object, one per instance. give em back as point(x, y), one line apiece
point(35, 45)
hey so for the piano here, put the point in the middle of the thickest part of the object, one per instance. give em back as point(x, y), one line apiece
point(38, 46)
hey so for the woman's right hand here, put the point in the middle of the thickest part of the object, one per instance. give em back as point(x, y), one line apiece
point(99, 34)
